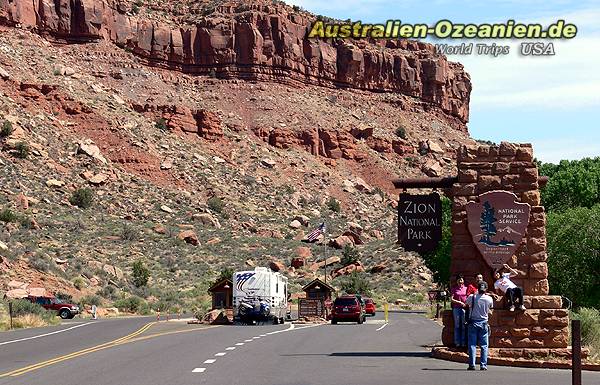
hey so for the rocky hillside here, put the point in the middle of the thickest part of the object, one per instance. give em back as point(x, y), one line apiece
point(210, 135)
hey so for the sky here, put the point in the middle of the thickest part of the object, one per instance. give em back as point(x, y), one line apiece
point(552, 102)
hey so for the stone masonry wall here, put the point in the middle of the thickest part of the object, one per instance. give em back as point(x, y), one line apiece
point(510, 167)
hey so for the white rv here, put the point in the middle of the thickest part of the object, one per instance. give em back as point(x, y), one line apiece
point(259, 294)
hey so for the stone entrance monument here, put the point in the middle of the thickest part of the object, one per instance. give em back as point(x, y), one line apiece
point(508, 231)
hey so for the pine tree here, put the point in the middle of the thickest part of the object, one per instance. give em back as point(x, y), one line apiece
point(487, 222)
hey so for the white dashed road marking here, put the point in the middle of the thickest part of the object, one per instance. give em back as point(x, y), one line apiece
point(230, 348)
point(381, 327)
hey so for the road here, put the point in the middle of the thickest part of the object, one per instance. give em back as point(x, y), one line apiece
point(177, 353)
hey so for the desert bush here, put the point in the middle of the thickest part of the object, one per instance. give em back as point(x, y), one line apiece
point(79, 283)
point(90, 300)
point(7, 216)
point(6, 130)
point(107, 291)
point(131, 304)
point(141, 274)
point(401, 132)
point(128, 233)
point(64, 297)
point(22, 150)
point(350, 255)
point(226, 272)
point(39, 263)
point(161, 124)
point(21, 307)
point(357, 283)
point(82, 197)
point(215, 204)
point(334, 205)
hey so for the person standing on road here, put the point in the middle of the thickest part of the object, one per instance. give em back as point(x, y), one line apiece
point(480, 305)
point(459, 295)
point(94, 309)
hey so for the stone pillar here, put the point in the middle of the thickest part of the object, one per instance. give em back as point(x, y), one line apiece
point(544, 325)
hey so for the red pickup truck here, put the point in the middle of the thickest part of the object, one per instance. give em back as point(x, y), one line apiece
point(64, 310)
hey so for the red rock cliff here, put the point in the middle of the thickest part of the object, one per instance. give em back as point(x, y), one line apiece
point(255, 41)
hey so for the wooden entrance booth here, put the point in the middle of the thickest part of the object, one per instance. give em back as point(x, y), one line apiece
point(222, 294)
point(318, 299)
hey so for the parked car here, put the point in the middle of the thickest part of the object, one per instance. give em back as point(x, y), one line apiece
point(347, 308)
point(63, 309)
point(370, 308)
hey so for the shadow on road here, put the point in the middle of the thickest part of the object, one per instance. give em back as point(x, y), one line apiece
point(365, 354)
point(382, 354)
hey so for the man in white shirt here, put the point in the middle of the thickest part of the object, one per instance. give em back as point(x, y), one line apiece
point(504, 285)
point(479, 305)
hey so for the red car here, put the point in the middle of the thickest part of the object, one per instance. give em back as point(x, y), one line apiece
point(347, 308)
point(370, 307)
point(64, 310)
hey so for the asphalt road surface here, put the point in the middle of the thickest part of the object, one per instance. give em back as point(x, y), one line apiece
point(137, 352)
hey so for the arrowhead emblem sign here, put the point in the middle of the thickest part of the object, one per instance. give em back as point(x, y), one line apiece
point(497, 223)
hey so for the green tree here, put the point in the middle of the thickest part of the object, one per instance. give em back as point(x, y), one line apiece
point(226, 272)
point(572, 184)
point(141, 274)
point(350, 255)
point(438, 261)
point(357, 283)
point(574, 254)
point(487, 221)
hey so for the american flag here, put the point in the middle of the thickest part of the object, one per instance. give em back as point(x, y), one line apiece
point(314, 235)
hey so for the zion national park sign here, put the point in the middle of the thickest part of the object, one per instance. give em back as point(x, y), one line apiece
point(497, 223)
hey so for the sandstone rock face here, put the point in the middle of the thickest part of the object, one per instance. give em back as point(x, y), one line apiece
point(256, 41)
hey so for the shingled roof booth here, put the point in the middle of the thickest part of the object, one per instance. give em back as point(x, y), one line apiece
point(222, 294)
point(318, 295)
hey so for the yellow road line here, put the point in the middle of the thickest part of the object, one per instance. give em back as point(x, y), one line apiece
point(39, 365)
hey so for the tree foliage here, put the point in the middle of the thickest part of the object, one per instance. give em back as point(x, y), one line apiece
point(574, 254)
point(350, 255)
point(438, 261)
point(141, 274)
point(573, 183)
point(357, 283)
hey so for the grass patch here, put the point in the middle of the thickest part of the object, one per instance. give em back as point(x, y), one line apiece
point(590, 330)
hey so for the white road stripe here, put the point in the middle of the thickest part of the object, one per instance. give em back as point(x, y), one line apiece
point(381, 327)
point(239, 344)
point(199, 370)
point(220, 354)
point(230, 348)
point(263, 335)
point(45, 334)
point(210, 361)
point(255, 338)
point(247, 340)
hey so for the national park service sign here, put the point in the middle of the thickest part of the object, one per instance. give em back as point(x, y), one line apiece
point(497, 223)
